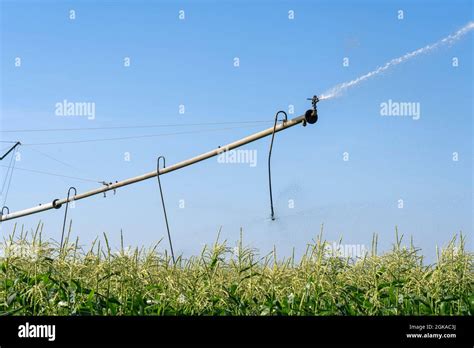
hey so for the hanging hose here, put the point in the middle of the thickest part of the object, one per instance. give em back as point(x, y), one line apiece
point(65, 213)
point(163, 203)
point(269, 158)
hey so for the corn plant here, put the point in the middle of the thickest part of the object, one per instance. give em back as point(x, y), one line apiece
point(37, 277)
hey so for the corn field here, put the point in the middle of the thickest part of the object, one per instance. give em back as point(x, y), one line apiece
point(38, 277)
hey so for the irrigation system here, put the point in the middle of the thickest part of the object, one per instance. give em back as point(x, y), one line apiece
point(309, 117)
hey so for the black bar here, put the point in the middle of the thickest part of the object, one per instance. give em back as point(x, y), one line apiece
point(223, 331)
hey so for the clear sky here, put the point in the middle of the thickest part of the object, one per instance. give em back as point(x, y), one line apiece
point(283, 61)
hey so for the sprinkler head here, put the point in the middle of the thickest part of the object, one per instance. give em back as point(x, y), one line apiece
point(311, 116)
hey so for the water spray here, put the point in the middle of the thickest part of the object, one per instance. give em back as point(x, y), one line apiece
point(450, 39)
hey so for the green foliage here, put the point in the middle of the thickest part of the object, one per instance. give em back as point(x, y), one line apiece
point(38, 278)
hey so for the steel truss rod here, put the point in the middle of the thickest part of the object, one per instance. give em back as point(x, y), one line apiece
point(309, 117)
point(10, 150)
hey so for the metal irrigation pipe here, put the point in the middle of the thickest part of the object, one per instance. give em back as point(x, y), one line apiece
point(309, 117)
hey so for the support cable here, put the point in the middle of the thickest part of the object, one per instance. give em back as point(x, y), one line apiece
point(11, 176)
point(54, 174)
point(53, 158)
point(127, 127)
point(10, 150)
point(139, 136)
point(7, 174)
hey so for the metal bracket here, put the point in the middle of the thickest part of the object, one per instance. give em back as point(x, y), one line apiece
point(314, 101)
point(107, 184)
point(7, 209)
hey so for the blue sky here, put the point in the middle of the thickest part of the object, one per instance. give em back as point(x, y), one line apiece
point(282, 62)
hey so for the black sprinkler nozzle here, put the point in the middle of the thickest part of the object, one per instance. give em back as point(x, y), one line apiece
point(311, 116)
